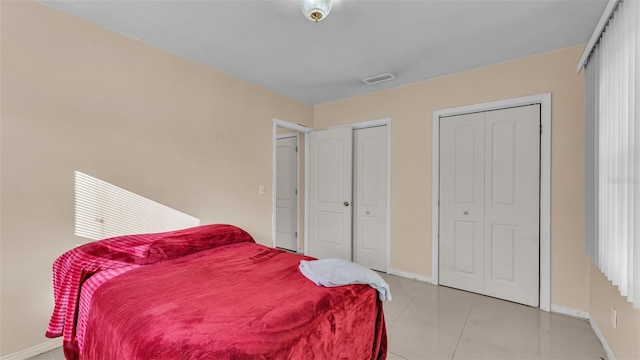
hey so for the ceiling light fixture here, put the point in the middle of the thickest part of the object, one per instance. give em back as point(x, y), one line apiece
point(315, 10)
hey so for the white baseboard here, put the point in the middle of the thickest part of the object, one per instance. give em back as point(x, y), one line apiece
point(585, 315)
point(569, 311)
point(409, 275)
point(34, 350)
point(600, 336)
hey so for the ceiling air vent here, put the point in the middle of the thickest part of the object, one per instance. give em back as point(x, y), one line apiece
point(378, 79)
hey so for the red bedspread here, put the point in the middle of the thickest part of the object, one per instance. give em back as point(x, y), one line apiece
point(118, 255)
point(239, 301)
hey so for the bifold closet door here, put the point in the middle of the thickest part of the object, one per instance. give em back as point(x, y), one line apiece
point(462, 202)
point(489, 203)
point(512, 204)
point(370, 204)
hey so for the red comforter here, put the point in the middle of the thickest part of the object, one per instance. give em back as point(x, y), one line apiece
point(226, 300)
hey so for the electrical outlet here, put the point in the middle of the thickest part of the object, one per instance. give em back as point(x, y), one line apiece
point(261, 189)
point(614, 317)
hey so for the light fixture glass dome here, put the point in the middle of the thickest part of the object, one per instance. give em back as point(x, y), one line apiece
point(315, 10)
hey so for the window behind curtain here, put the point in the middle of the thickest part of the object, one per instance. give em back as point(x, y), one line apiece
point(104, 210)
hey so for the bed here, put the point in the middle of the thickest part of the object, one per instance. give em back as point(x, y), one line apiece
point(208, 292)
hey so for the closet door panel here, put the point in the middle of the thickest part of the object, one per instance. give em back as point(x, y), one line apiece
point(512, 194)
point(462, 202)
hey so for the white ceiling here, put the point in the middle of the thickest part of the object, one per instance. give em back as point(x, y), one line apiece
point(270, 42)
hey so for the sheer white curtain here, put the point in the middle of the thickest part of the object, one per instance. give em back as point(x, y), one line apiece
point(612, 151)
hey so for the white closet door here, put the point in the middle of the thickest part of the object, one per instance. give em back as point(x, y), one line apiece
point(370, 205)
point(512, 203)
point(330, 183)
point(489, 203)
point(462, 202)
point(286, 197)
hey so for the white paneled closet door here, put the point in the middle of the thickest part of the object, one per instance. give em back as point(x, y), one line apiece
point(489, 203)
point(462, 202)
point(370, 205)
point(512, 204)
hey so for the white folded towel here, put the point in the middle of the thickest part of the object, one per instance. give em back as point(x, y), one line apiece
point(338, 272)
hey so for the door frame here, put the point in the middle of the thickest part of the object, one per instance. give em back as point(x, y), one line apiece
point(368, 124)
point(300, 129)
point(545, 183)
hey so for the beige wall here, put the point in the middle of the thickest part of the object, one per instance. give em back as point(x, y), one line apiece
point(76, 96)
point(411, 108)
point(624, 340)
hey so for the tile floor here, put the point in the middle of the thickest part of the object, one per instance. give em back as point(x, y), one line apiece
point(435, 322)
point(55, 354)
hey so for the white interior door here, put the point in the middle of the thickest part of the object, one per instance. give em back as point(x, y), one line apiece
point(330, 187)
point(286, 193)
point(512, 204)
point(370, 204)
point(489, 203)
point(462, 202)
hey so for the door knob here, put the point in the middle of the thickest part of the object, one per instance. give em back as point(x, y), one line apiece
point(346, 203)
